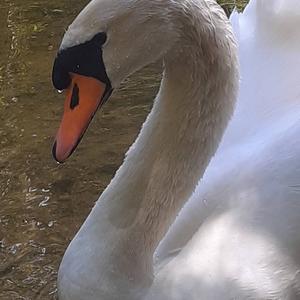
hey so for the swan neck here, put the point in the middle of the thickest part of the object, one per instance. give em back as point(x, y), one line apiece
point(179, 137)
point(165, 163)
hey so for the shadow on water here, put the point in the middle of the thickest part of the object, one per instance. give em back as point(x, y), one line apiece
point(42, 203)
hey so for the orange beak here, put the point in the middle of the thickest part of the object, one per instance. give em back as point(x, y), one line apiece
point(84, 96)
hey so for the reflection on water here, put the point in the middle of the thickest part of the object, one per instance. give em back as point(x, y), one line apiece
point(42, 203)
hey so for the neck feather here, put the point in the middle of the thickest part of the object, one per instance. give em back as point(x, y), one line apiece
point(170, 155)
point(178, 139)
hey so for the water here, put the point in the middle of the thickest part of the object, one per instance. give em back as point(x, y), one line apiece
point(42, 203)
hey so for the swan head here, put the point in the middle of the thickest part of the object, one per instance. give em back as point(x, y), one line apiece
point(108, 41)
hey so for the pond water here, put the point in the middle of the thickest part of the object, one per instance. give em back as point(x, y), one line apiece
point(42, 203)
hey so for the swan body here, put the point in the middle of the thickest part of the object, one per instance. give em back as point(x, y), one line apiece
point(239, 231)
point(237, 236)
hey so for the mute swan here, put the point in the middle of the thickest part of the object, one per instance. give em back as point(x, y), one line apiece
point(239, 232)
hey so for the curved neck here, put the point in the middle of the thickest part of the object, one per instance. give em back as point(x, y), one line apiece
point(165, 163)
point(179, 137)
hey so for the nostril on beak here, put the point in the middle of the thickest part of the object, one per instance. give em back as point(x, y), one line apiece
point(75, 97)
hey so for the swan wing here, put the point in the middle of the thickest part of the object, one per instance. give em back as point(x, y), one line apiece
point(239, 231)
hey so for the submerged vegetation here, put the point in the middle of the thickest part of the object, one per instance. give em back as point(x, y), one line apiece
point(229, 5)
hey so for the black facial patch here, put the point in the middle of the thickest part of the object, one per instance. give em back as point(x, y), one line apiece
point(75, 97)
point(84, 59)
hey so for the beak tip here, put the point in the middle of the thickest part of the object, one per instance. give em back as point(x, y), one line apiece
point(54, 154)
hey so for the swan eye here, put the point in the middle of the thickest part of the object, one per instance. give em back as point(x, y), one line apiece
point(83, 59)
point(100, 38)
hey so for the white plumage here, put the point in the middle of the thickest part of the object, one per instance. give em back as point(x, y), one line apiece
point(238, 235)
